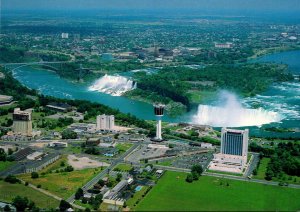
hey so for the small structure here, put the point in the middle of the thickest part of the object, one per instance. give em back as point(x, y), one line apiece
point(44, 161)
point(35, 156)
point(57, 144)
point(5, 99)
point(64, 35)
point(113, 196)
point(61, 107)
point(223, 45)
point(93, 141)
point(22, 153)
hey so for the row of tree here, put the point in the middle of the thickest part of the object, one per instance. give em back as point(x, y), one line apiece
point(286, 160)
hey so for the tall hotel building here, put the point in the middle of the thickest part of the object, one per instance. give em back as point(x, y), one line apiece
point(234, 151)
point(22, 122)
point(105, 122)
point(234, 142)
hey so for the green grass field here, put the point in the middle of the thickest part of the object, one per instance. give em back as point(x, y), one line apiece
point(6, 165)
point(9, 191)
point(123, 167)
point(131, 203)
point(172, 193)
point(123, 147)
point(62, 184)
point(261, 172)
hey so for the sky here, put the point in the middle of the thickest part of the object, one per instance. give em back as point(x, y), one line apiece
point(239, 5)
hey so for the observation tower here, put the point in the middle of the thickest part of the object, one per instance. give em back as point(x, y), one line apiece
point(159, 113)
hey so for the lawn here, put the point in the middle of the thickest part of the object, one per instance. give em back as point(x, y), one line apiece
point(172, 193)
point(9, 191)
point(131, 203)
point(225, 173)
point(5, 165)
point(56, 165)
point(261, 171)
point(123, 147)
point(62, 184)
point(123, 167)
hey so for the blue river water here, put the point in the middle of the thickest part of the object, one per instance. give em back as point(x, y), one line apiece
point(283, 98)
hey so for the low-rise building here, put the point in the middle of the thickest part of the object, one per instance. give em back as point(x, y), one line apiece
point(62, 107)
point(5, 99)
point(22, 122)
point(38, 165)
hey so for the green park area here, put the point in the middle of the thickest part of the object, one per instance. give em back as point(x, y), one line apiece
point(8, 191)
point(59, 182)
point(5, 165)
point(123, 147)
point(123, 167)
point(261, 171)
point(173, 193)
point(62, 184)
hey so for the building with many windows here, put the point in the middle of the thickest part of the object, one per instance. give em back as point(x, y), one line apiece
point(22, 122)
point(233, 153)
point(105, 122)
point(234, 142)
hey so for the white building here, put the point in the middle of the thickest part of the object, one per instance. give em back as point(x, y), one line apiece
point(22, 122)
point(65, 35)
point(105, 122)
point(234, 151)
point(223, 45)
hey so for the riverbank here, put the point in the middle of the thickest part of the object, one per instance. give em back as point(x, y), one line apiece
point(265, 52)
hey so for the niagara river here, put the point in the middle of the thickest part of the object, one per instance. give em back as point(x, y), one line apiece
point(279, 106)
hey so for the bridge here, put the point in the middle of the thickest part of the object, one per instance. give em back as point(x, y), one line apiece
point(52, 65)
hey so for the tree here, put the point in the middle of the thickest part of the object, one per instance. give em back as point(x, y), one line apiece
point(119, 177)
point(198, 169)
point(34, 175)
point(6, 208)
point(3, 155)
point(195, 175)
point(12, 179)
point(79, 193)
point(69, 134)
point(69, 169)
point(101, 182)
point(20, 203)
point(64, 205)
point(189, 178)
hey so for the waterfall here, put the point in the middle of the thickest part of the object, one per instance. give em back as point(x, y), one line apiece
point(113, 85)
point(230, 113)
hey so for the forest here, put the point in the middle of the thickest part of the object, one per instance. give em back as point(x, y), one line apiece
point(177, 83)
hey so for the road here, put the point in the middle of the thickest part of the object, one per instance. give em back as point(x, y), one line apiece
point(102, 174)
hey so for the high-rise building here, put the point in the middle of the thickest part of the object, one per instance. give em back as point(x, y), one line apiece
point(22, 122)
point(234, 151)
point(105, 122)
point(234, 142)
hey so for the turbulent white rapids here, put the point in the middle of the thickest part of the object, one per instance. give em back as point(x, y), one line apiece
point(113, 85)
point(233, 114)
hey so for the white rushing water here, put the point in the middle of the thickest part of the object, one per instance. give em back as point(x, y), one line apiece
point(113, 85)
point(230, 113)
